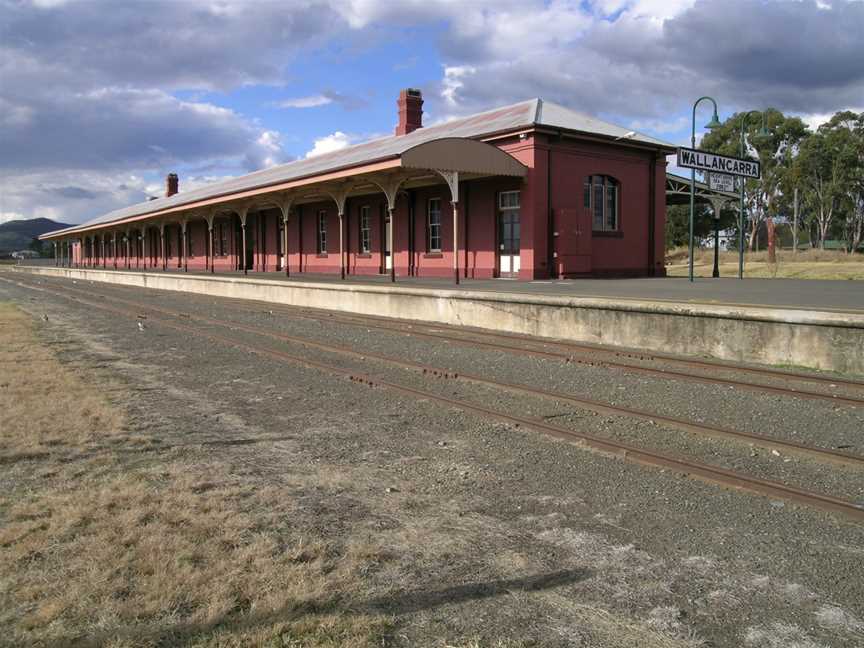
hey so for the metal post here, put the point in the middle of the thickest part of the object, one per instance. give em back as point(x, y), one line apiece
point(743, 181)
point(210, 230)
point(243, 254)
point(455, 205)
point(714, 123)
point(392, 248)
point(741, 211)
point(795, 223)
point(185, 236)
point(342, 246)
point(716, 273)
point(285, 249)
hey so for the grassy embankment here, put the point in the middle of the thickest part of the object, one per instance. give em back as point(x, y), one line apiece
point(809, 264)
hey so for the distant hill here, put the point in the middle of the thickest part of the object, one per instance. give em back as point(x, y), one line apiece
point(17, 234)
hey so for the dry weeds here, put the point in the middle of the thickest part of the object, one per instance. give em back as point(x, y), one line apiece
point(171, 550)
point(807, 264)
point(44, 405)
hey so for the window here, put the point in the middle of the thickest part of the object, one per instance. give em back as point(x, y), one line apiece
point(509, 236)
point(189, 239)
point(509, 200)
point(433, 226)
point(221, 239)
point(365, 230)
point(322, 232)
point(600, 196)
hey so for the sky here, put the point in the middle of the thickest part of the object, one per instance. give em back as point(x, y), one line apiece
point(99, 100)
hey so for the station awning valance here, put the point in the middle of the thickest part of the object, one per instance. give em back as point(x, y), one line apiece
point(463, 155)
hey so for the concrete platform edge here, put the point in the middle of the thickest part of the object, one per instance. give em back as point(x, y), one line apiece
point(816, 339)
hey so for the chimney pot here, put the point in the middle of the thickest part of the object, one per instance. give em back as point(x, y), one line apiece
point(410, 105)
point(172, 184)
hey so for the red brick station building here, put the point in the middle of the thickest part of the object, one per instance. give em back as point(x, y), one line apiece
point(528, 191)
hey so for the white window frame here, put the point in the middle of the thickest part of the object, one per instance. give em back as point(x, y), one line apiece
point(510, 200)
point(434, 230)
point(322, 232)
point(365, 229)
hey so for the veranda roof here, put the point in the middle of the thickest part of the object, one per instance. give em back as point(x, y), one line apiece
point(391, 152)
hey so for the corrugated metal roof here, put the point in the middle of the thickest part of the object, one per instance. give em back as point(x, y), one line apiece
point(525, 114)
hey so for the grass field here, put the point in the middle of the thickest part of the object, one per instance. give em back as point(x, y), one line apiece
point(103, 544)
point(809, 264)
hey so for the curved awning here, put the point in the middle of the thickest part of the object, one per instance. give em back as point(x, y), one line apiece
point(463, 155)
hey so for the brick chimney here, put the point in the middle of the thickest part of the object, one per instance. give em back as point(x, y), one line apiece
point(410, 105)
point(172, 184)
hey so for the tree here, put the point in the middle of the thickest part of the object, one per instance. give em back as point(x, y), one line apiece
point(776, 154)
point(827, 166)
point(678, 224)
point(37, 246)
point(853, 189)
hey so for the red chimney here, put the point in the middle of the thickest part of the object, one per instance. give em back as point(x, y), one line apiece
point(410, 105)
point(172, 184)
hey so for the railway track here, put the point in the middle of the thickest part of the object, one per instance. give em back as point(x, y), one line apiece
point(573, 352)
point(704, 472)
point(599, 407)
point(580, 354)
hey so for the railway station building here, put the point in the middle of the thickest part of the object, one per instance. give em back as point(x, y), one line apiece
point(528, 191)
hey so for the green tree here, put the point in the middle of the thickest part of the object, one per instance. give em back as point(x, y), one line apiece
point(776, 153)
point(828, 165)
point(37, 246)
point(853, 156)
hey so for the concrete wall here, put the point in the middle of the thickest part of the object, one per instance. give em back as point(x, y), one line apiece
point(820, 340)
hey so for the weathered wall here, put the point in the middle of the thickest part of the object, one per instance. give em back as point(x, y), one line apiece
point(820, 340)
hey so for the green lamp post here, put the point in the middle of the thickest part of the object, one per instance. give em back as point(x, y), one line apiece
point(763, 134)
point(711, 125)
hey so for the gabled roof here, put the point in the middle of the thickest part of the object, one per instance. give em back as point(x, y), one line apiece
point(524, 115)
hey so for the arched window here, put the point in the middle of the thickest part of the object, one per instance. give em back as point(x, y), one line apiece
point(601, 198)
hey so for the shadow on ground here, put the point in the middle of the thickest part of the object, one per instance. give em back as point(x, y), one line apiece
point(394, 604)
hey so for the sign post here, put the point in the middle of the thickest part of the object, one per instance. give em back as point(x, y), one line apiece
point(718, 168)
point(714, 123)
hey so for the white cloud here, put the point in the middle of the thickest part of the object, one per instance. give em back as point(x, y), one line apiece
point(668, 125)
point(454, 76)
point(5, 217)
point(329, 143)
point(312, 101)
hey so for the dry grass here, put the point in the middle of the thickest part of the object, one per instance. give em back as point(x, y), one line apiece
point(809, 264)
point(33, 384)
point(99, 550)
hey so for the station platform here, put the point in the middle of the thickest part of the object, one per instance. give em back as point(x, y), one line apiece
point(803, 323)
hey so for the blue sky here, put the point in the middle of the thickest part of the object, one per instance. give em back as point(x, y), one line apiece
point(99, 100)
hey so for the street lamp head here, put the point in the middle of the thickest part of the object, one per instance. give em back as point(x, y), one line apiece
point(714, 123)
point(763, 133)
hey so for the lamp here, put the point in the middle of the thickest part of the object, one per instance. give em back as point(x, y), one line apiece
point(715, 121)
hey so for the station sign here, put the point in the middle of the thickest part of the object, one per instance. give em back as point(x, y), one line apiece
point(721, 182)
point(710, 162)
